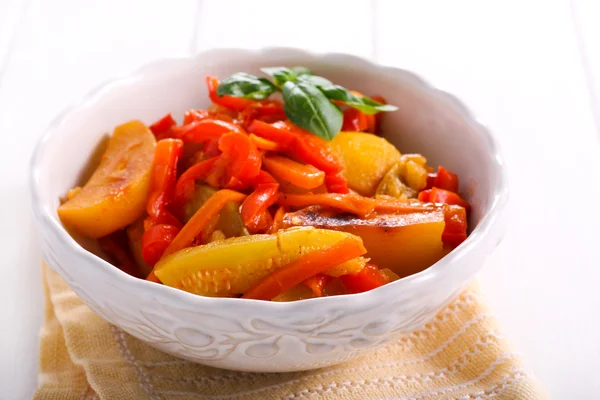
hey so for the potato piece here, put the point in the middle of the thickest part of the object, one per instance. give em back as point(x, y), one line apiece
point(366, 158)
point(232, 266)
point(404, 243)
point(115, 196)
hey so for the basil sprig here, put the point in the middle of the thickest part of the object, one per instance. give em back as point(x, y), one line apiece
point(246, 86)
point(307, 97)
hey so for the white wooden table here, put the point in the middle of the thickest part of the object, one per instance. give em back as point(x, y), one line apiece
point(529, 69)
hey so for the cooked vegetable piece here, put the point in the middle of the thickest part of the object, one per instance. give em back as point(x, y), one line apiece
point(446, 180)
point(162, 127)
point(115, 195)
point(456, 226)
point(231, 266)
point(135, 232)
point(366, 158)
point(115, 246)
point(162, 184)
point(392, 185)
point(302, 175)
point(230, 221)
point(156, 240)
point(305, 266)
point(348, 267)
point(370, 277)
point(436, 195)
point(316, 283)
point(298, 292)
point(404, 243)
point(201, 218)
point(254, 208)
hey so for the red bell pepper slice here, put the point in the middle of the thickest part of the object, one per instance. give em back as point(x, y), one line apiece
point(243, 161)
point(194, 115)
point(266, 110)
point(233, 103)
point(446, 180)
point(366, 279)
point(256, 204)
point(164, 175)
point(455, 231)
point(162, 127)
point(156, 240)
point(302, 145)
point(430, 180)
point(185, 187)
point(336, 183)
point(355, 121)
point(205, 130)
point(304, 267)
point(437, 195)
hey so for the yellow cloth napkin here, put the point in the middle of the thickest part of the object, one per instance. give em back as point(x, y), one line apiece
point(459, 355)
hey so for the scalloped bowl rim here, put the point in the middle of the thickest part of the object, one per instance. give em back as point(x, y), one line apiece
point(176, 297)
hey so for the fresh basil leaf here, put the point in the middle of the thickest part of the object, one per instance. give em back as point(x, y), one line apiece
point(301, 71)
point(246, 86)
point(315, 80)
point(307, 107)
point(280, 74)
point(363, 104)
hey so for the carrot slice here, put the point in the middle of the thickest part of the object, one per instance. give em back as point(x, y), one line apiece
point(304, 267)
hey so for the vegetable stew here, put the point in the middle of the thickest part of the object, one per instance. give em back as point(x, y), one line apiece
point(283, 189)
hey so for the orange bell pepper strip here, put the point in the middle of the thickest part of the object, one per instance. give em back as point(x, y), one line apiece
point(455, 230)
point(243, 160)
point(302, 175)
point(350, 202)
point(204, 130)
point(201, 218)
point(155, 240)
point(304, 267)
point(336, 183)
point(446, 180)
point(185, 187)
point(368, 278)
point(230, 102)
point(164, 175)
point(163, 126)
point(265, 144)
point(256, 204)
point(317, 283)
point(298, 143)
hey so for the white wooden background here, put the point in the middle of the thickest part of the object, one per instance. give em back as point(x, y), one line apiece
point(530, 69)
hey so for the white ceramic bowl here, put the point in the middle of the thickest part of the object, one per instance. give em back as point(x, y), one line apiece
point(254, 335)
